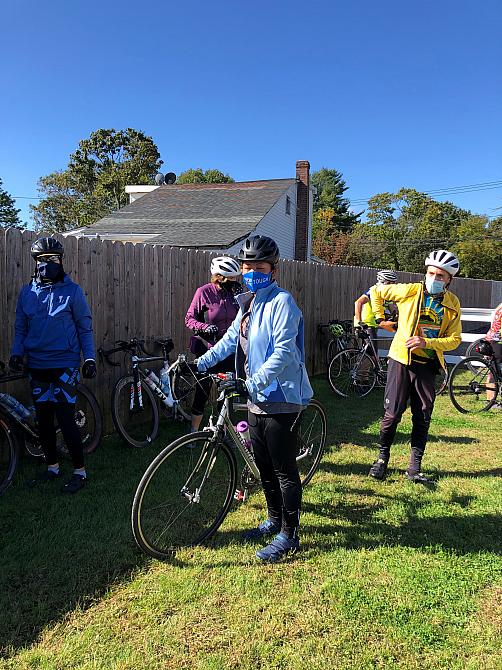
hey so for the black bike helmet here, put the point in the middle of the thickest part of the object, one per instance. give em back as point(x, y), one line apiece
point(47, 245)
point(484, 348)
point(259, 248)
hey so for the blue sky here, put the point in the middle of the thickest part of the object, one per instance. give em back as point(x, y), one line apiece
point(391, 94)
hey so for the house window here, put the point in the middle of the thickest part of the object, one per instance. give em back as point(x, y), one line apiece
point(288, 205)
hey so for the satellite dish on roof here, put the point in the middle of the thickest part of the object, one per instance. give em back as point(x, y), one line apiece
point(170, 177)
point(159, 178)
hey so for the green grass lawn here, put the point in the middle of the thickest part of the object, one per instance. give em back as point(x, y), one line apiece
point(391, 575)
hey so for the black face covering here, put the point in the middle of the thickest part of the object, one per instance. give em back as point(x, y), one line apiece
point(233, 287)
point(49, 272)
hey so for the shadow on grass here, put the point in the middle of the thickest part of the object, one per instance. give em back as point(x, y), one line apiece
point(461, 534)
point(344, 469)
point(59, 552)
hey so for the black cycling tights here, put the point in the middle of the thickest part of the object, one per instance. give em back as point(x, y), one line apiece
point(275, 448)
point(64, 412)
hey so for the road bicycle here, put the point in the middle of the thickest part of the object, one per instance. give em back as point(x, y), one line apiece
point(341, 337)
point(18, 433)
point(475, 383)
point(188, 489)
point(139, 396)
point(356, 372)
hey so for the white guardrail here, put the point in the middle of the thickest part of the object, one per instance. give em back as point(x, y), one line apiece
point(479, 314)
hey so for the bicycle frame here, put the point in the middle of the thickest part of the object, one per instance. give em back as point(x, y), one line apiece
point(30, 430)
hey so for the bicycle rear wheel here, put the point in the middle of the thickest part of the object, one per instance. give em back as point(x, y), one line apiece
point(137, 426)
point(469, 385)
point(89, 421)
point(471, 349)
point(9, 452)
point(184, 496)
point(352, 373)
point(311, 440)
point(183, 390)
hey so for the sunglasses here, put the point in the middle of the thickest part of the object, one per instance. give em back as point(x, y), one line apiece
point(46, 258)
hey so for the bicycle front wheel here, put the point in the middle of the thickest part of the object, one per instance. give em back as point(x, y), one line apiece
point(137, 425)
point(311, 440)
point(472, 385)
point(441, 381)
point(9, 453)
point(332, 350)
point(352, 373)
point(184, 495)
point(88, 419)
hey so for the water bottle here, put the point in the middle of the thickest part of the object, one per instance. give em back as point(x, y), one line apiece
point(242, 429)
point(165, 385)
point(15, 407)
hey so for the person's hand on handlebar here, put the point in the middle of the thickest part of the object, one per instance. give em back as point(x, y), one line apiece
point(235, 385)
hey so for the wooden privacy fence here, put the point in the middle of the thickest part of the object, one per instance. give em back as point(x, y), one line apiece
point(144, 290)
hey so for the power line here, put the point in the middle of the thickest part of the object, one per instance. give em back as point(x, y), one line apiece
point(452, 190)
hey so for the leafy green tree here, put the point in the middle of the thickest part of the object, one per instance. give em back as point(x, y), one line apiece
point(9, 215)
point(198, 176)
point(479, 247)
point(401, 228)
point(93, 184)
point(330, 187)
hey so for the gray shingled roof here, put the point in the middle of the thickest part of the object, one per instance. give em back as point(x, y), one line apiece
point(195, 215)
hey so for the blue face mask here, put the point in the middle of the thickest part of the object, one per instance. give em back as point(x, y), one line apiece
point(434, 286)
point(257, 280)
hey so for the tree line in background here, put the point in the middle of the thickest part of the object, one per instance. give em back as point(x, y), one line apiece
point(400, 229)
point(397, 232)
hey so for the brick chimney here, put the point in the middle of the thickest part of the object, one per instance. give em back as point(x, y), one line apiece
point(302, 210)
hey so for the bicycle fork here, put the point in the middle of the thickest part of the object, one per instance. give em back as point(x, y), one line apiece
point(136, 391)
point(211, 450)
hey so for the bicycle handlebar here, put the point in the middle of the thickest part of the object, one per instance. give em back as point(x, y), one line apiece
point(130, 347)
point(8, 376)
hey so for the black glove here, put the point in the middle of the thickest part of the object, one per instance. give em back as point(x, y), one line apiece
point(16, 363)
point(211, 330)
point(236, 385)
point(89, 370)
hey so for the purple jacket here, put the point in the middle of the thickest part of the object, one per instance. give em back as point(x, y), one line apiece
point(211, 306)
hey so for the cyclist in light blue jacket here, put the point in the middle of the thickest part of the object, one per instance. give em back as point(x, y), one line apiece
point(267, 338)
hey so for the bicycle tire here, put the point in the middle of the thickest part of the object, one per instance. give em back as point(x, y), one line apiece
point(471, 349)
point(9, 452)
point(311, 440)
point(163, 517)
point(89, 420)
point(137, 428)
point(441, 381)
point(332, 350)
point(352, 373)
point(183, 389)
point(468, 385)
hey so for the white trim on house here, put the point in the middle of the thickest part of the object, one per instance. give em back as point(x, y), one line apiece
point(137, 191)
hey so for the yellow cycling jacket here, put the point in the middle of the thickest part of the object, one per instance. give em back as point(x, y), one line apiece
point(409, 299)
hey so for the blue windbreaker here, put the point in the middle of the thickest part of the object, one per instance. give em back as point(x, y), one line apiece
point(276, 353)
point(53, 325)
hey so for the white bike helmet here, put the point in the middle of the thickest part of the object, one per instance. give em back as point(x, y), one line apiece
point(444, 260)
point(225, 266)
point(387, 277)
